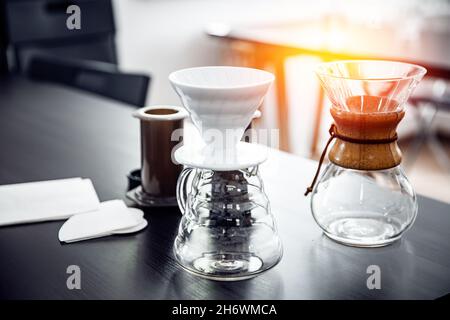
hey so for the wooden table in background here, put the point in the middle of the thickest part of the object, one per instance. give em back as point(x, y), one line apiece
point(333, 38)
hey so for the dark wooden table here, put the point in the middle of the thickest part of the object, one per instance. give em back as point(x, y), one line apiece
point(48, 132)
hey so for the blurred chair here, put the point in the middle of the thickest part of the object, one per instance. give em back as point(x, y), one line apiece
point(93, 76)
point(3, 61)
point(3, 42)
point(428, 104)
point(41, 45)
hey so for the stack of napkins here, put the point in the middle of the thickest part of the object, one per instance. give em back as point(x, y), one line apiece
point(73, 198)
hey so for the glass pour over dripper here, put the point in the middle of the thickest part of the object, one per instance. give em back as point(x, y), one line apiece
point(227, 231)
point(363, 197)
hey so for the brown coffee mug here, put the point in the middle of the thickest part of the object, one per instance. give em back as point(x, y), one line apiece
point(159, 138)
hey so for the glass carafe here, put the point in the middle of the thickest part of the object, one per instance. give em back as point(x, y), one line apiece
point(227, 231)
point(363, 197)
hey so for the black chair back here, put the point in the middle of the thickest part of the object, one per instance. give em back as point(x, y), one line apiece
point(3, 42)
point(92, 76)
point(3, 61)
point(39, 26)
point(41, 45)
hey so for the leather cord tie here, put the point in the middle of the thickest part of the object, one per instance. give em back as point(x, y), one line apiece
point(334, 134)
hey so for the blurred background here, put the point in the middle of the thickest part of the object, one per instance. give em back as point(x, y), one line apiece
point(148, 39)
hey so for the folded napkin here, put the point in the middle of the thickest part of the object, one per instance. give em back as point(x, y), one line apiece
point(113, 217)
point(46, 200)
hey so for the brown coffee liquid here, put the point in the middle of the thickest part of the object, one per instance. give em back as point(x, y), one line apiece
point(161, 111)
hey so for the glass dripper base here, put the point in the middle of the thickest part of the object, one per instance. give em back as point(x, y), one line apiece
point(363, 231)
point(227, 231)
point(227, 266)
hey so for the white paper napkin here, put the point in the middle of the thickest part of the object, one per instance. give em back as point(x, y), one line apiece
point(46, 200)
point(112, 217)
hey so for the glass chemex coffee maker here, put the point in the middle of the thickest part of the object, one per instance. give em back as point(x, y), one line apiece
point(363, 197)
point(227, 231)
